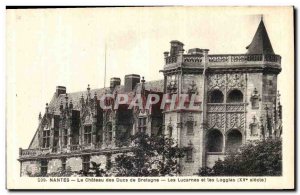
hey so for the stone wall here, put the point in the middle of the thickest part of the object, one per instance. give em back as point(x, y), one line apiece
point(54, 165)
point(75, 163)
point(30, 167)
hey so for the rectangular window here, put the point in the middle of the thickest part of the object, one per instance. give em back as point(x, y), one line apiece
point(142, 126)
point(110, 135)
point(46, 138)
point(56, 138)
point(56, 122)
point(44, 167)
point(65, 137)
point(190, 127)
point(86, 164)
point(87, 134)
point(189, 155)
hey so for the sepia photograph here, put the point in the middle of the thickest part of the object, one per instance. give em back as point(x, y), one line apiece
point(150, 98)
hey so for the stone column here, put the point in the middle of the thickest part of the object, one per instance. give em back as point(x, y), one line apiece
point(80, 135)
point(114, 129)
point(104, 130)
point(51, 134)
point(94, 129)
point(69, 138)
point(224, 143)
point(204, 101)
point(60, 135)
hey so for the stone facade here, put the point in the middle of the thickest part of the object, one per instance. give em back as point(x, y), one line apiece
point(234, 98)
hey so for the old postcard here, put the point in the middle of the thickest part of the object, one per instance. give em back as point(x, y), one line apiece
point(150, 98)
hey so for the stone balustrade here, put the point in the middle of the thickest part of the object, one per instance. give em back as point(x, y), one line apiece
point(28, 153)
point(230, 59)
point(226, 107)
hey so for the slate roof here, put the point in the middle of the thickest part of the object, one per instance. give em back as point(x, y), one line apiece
point(154, 86)
point(260, 43)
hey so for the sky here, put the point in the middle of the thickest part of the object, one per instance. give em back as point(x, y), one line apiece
point(50, 47)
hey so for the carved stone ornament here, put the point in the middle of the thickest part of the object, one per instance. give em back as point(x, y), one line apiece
point(216, 120)
point(254, 127)
point(216, 81)
point(235, 81)
point(255, 99)
point(235, 120)
point(192, 89)
point(172, 87)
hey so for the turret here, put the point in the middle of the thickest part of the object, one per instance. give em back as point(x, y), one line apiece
point(260, 43)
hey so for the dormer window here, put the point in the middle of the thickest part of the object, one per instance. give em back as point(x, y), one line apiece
point(65, 137)
point(109, 132)
point(142, 126)
point(88, 134)
point(190, 125)
point(46, 137)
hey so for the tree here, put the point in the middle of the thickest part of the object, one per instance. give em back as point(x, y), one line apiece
point(150, 156)
point(258, 158)
point(96, 170)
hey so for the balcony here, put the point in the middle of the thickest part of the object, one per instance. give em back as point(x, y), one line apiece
point(244, 59)
point(221, 60)
point(226, 107)
point(27, 154)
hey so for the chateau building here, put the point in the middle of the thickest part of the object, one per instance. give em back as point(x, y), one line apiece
point(236, 101)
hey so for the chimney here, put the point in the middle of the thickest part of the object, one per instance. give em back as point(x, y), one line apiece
point(60, 90)
point(114, 81)
point(176, 46)
point(130, 81)
point(195, 51)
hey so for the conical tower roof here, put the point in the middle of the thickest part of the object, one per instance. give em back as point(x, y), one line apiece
point(260, 43)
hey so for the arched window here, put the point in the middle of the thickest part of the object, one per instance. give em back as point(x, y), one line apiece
point(216, 96)
point(235, 96)
point(234, 140)
point(214, 141)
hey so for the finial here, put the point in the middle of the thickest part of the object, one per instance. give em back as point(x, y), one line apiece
point(262, 17)
point(266, 107)
point(255, 91)
point(47, 108)
point(61, 105)
point(88, 92)
point(67, 100)
point(82, 99)
point(143, 80)
point(71, 104)
point(278, 96)
point(261, 119)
